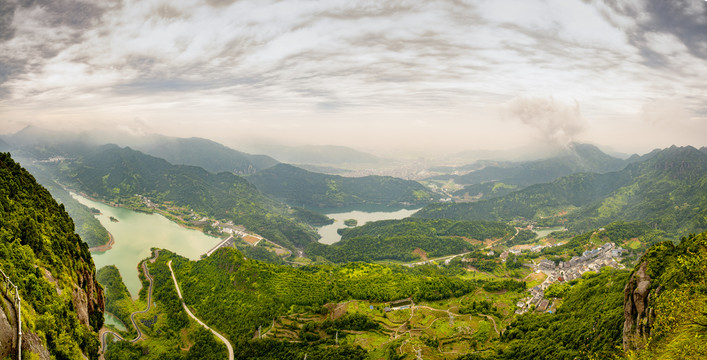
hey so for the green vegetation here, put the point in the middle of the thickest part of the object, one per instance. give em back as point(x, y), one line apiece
point(676, 302)
point(85, 223)
point(120, 174)
point(311, 217)
point(117, 297)
point(256, 292)
point(587, 325)
point(667, 190)
point(49, 263)
point(299, 187)
point(350, 222)
point(523, 237)
point(409, 239)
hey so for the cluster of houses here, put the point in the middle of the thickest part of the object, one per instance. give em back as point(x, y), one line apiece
point(590, 260)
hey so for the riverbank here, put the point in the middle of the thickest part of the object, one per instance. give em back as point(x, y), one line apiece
point(105, 247)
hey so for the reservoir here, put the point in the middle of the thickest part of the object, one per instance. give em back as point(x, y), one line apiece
point(329, 234)
point(135, 233)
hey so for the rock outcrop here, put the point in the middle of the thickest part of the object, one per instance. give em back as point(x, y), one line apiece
point(638, 315)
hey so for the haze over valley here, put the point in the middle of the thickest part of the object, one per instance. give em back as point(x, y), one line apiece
point(463, 180)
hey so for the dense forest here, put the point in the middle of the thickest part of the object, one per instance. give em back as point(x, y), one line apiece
point(52, 267)
point(409, 239)
point(668, 190)
point(299, 187)
point(254, 292)
point(119, 174)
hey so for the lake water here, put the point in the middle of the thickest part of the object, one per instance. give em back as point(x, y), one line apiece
point(329, 234)
point(112, 320)
point(545, 232)
point(135, 233)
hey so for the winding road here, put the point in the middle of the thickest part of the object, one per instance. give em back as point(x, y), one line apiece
point(146, 271)
point(179, 292)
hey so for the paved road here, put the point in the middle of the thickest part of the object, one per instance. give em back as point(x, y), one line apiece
point(104, 343)
point(149, 303)
point(179, 292)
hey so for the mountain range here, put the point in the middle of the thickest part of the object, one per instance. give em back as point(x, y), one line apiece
point(299, 187)
point(667, 189)
point(575, 158)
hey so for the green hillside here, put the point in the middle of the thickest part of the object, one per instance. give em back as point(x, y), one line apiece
point(120, 174)
point(300, 187)
point(409, 240)
point(62, 304)
point(306, 310)
point(668, 190)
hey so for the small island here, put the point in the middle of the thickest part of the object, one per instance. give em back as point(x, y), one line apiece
point(113, 219)
point(350, 222)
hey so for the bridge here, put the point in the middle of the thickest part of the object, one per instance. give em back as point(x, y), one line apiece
point(227, 241)
point(7, 288)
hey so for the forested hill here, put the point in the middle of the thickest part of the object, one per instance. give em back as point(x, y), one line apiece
point(299, 187)
point(62, 304)
point(117, 174)
point(410, 240)
point(577, 158)
point(668, 190)
point(206, 154)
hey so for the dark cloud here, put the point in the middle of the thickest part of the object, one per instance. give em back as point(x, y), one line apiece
point(7, 14)
point(220, 3)
point(686, 19)
point(168, 12)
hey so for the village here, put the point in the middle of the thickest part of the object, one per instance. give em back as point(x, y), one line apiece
point(590, 260)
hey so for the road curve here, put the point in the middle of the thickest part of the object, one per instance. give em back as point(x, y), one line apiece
point(104, 344)
point(179, 292)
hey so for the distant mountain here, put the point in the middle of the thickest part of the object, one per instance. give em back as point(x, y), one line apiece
point(704, 149)
point(118, 174)
point(4, 146)
point(297, 186)
point(320, 155)
point(212, 156)
point(577, 158)
point(667, 190)
point(204, 153)
point(62, 304)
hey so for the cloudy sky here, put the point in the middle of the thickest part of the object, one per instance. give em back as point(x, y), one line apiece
point(410, 75)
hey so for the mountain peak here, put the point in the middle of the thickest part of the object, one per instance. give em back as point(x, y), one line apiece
point(682, 163)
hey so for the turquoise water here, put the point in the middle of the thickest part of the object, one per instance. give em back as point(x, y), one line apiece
point(112, 320)
point(135, 233)
point(329, 234)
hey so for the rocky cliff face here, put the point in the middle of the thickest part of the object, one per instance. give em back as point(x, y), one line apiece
point(638, 314)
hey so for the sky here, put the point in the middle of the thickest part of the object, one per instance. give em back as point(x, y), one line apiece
point(409, 76)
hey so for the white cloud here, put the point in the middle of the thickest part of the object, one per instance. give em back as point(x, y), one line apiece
point(271, 64)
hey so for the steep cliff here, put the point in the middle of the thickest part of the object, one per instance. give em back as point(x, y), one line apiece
point(62, 304)
point(665, 302)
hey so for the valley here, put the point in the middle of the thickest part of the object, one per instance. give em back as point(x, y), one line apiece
point(353, 180)
point(362, 279)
